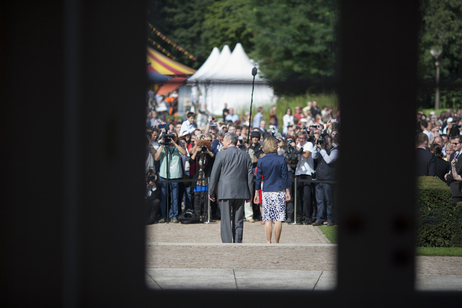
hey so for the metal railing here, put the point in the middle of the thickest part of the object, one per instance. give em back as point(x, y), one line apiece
point(187, 181)
point(296, 181)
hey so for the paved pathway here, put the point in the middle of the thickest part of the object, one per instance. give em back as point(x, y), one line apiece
point(192, 256)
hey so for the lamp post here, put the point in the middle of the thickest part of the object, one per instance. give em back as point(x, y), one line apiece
point(436, 54)
point(254, 73)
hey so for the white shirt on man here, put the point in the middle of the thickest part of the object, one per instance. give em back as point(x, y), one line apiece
point(306, 165)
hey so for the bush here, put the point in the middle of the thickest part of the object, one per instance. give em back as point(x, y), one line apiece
point(439, 221)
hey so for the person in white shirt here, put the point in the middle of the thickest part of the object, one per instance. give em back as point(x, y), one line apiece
point(287, 120)
point(303, 172)
point(427, 129)
point(188, 125)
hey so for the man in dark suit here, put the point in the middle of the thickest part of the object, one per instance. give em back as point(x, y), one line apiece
point(233, 183)
point(456, 145)
point(453, 184)
point(426, 161)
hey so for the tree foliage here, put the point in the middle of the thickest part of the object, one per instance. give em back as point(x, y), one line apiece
point(182, 22)
point(294, 38)
point(226, 23)
point(441, 29)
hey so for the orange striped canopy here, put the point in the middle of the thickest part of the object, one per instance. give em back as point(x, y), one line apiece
point(166, 66)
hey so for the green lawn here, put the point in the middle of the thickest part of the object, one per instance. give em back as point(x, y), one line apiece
point(331, 234)
point(440, 251)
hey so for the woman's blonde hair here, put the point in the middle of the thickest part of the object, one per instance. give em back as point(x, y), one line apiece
point(270, 145)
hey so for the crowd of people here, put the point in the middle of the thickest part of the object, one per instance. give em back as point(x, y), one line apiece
point(438, 147)
point(184, 152)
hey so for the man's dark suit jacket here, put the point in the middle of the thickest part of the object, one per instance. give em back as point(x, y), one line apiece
point(426, 163)
point(453, 184)
point(442, 167)
point(232, 175)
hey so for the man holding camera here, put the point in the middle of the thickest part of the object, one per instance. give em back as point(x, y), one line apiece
point(169, 155)
point(326, 158)
point(217, 144)
point(304, 171)
point(152, 203)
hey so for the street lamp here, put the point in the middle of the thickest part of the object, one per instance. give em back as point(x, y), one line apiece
point(436, 54)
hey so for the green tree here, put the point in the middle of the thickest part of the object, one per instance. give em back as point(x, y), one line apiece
point(294, 38)
point(226, 23)
point(181, 22)
point(441, 28)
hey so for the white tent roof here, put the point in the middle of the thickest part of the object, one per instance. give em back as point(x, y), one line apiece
point(231, 82)
point(208, 65)
point(221, 61)
point(237, 68)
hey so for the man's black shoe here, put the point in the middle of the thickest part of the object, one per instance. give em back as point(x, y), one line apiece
point(317, 223)
point(330, 224)
point(289, 221)
point(299, 223)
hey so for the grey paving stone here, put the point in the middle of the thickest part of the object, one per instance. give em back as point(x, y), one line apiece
point(151, 283)
point(276, 279)
point(193, 278)
point(439, 283)
point(327, 281)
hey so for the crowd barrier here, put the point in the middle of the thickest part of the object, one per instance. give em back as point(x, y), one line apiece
point(296, 181)
point(187, 181)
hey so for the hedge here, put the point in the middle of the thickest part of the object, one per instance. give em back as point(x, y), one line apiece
point(439, 221)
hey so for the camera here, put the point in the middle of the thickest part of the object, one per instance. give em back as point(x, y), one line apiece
point(240, 140)
point(167, 138)
point(204, 149)
point(320, 141)
point(151, 176)
point(272, 130)
point(291, 153)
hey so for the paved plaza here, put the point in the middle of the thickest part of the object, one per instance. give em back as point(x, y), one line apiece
point(192, 256)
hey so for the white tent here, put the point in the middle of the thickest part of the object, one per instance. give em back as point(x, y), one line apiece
point(229, 80)
point(220, 62)
point(232, 84)
point(213, 63)
point(207, 66)
point(195, 80)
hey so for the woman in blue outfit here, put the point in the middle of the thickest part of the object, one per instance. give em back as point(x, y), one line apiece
point(275, 191)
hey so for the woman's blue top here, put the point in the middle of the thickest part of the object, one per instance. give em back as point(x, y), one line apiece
point(273, 168)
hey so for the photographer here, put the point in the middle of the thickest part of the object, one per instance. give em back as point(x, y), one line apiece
point(217, 144)
point(291, 155)
point(202, 156)
point(184, 187)
point(254, 144)
point(169, 155)
point(151, 201)
point(304, 171)
point(326, 156)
